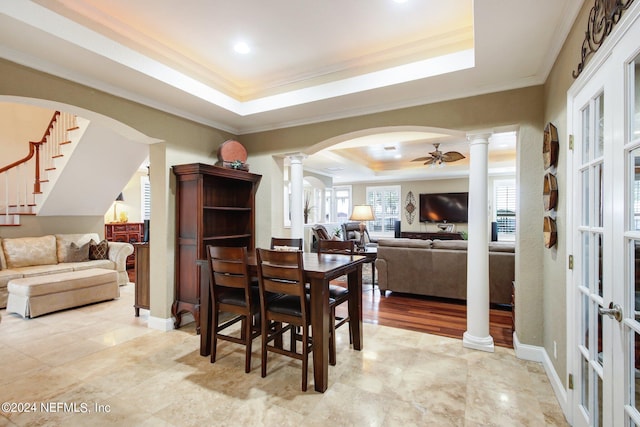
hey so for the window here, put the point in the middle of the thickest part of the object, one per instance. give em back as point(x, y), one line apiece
point(145, 197)
point(342, 203)
point(505, 203)
point(386, 208)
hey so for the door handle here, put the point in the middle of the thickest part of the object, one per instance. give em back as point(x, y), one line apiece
point(614, 311)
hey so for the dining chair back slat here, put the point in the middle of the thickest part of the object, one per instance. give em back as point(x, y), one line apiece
point(282, 272)
point(231, 292)
point(338, 294)
point(285, 242)
point(346, 247)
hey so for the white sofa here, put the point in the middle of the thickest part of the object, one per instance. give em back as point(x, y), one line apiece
point(24, 257)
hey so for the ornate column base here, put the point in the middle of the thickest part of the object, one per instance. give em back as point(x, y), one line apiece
point(478, 343)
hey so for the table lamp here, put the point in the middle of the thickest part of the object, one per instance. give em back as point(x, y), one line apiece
point(362, 213)
point(120, 198)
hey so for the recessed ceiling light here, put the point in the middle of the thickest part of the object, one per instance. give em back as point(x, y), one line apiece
point(242, 48)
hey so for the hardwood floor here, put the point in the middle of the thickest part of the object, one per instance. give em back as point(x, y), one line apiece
point(423, 314)
point(432, 315)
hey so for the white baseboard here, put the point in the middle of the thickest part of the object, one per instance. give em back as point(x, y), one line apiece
point(160, 324)
point(167, 324)
point(539, 354)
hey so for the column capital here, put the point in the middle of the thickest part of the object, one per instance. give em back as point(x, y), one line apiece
point(296, 157)
point(479, 137)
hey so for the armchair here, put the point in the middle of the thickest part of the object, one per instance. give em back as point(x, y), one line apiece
point(351, 231)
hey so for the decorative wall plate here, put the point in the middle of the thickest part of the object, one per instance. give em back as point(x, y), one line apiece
point(232, 154)
point(550, 146)
point(410, 207)
point(550, 232)
point(550, 191)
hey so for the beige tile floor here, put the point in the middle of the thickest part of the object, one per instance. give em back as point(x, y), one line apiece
point(100, 366)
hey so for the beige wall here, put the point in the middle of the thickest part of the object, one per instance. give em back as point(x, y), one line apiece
point(185, 141)
point(555, 260)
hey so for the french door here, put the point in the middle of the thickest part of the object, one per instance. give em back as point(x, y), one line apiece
point(603, 211)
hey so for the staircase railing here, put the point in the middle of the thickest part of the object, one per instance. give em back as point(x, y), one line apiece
point(21, 180)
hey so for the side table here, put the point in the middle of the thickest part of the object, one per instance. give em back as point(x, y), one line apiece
point(371, 252)
point(142, 289)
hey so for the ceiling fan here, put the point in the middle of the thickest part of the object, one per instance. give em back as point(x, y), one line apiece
point(439, 158)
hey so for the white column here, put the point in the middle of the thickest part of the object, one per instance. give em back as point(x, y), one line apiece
point(477, 333)
point(297, 191)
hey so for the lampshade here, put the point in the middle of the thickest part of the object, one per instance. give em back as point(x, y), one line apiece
point(120, 198)
point(362, 213)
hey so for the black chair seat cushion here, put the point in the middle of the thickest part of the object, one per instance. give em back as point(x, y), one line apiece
point(338, 292)
point(235, 296)
point(335, 291)
point(289, 304)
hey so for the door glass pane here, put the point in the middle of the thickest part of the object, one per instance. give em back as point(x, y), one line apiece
point(599, 272)
point(600, 356)
point(634, 159)
point(586, 265)
point(585, 321)
point(585, 197)
point(599, 107)
point(599, 400)
point(585, 134)
point(584, 394)
point(635, 96)
point(635, 381)
point(598, 194)
point(635, 271)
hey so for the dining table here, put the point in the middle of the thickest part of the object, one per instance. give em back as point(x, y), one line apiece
point(319, 270)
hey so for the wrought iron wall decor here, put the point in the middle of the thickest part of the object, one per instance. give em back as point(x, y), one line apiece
point(604, 15)
point(410, 207)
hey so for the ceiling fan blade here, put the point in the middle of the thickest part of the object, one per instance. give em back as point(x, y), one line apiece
point(420, 159)
point(452, 156)
point(430, 160)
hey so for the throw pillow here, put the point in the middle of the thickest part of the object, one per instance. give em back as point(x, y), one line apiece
point(99, 250)
point(77, 253)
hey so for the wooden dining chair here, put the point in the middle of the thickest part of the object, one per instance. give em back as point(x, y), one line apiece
point(284, 242)
point(337, 293)
point(282, 272)
point(231, 291)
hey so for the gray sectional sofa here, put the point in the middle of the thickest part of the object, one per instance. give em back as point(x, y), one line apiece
point(438, 268)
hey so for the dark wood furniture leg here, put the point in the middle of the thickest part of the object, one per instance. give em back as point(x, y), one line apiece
point(355, 306)
point(205, 309)
point(320, 330)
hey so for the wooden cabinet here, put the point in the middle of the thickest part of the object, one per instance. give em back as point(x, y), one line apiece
point(142, 289)
point(439, 235)
point(130, 232)
point(214, 206)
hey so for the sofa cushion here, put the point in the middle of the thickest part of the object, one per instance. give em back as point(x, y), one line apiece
point(99, 250)
point(502, 247)
point(3, 262)
point(26, 251)
point(77, 253)
point(64, 241)
point(458, 245)
point(405, 243)
point(42, 270)
point(93, 263)
point(6, 275)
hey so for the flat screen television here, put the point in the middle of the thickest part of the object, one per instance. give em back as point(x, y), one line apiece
point(444, 207)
